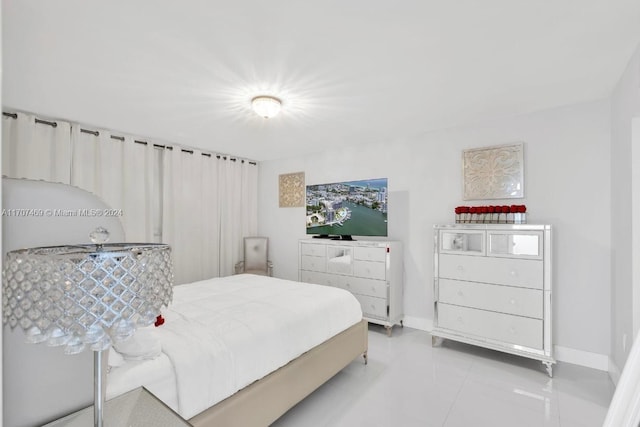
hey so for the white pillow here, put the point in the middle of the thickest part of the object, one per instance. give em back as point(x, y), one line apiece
point(143, 345)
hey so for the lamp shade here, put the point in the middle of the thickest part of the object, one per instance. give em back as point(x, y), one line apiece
point(266, 106)
point(85, 295)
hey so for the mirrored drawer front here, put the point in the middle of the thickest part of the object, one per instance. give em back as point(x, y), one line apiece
point(487, 324)
point(466, 242)
point(370, 254)
point(369, 269)
point(313, 263)
point(505, 299)
point(358, 285)
point(522, 244)
point(312, 249)
point(373, 307)
point(501, 271)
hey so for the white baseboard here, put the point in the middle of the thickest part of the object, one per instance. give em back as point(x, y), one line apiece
point(614, 372)
point(418, 323)
point(597, 361)
point(582, 358)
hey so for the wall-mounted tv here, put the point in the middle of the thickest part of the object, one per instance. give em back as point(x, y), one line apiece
point(349, 208)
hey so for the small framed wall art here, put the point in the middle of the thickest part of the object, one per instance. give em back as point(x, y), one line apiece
point(495, 172)
point(292, 190)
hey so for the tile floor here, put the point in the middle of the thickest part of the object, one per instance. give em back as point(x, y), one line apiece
point(409, 383)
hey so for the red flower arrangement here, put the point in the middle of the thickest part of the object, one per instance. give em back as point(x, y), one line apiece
point(503, 214)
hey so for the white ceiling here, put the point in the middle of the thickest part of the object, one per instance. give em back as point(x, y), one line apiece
point(349, 71)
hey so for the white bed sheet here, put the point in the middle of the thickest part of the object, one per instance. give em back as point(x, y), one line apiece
point(222, 334)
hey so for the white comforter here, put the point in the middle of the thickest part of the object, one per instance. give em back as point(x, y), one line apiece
point(223, 334)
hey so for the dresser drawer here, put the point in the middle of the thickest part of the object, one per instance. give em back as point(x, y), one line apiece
point(312, 249)
point(504, 299)
point(487, 324)
point(358, 285)
point(373, 307)
point(369, 269)
point(318, 278)
point(365, 253)
point(501, 271)
point(313, 263)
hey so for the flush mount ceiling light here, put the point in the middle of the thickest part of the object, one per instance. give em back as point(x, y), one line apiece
point(266, 106)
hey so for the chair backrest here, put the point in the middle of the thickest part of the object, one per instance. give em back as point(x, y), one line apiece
point(256, 253)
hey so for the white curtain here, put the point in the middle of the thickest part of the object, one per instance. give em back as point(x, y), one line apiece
point(204, 219)
point(201, 204)
point(36, 149)
point(238, 181)
point(125, 174)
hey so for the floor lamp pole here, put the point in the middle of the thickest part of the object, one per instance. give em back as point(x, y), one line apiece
point(98, 396)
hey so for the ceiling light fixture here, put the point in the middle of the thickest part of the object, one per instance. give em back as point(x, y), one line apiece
point(266, 106)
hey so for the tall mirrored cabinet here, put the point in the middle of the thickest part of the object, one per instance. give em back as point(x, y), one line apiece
point(493, 288)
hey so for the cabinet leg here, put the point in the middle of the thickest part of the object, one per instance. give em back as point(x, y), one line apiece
point(402, 323)
point(549, 368)
point(435, 341)
point(366, 357)
point(388, 328)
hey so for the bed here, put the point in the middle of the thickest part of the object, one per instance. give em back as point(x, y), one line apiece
point(241, 350)
point(35, 397)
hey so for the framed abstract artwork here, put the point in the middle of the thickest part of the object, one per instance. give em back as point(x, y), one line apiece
point(292, 190)
point(493, 172)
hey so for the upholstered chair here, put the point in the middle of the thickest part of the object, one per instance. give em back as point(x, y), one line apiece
point(256, 259)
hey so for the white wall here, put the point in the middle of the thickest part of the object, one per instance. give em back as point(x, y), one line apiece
point(625, 104)
point(567, 184)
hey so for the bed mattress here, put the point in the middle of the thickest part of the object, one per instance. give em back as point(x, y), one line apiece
point(222, 334)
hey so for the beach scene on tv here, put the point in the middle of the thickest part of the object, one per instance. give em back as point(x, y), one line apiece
point(357, 208)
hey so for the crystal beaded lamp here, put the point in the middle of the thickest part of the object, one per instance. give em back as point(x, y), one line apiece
point(86, 296)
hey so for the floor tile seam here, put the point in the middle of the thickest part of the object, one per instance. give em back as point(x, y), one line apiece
point(455, 399)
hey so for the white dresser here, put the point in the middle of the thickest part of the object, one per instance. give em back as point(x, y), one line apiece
point(492, 288)
point(370, 270)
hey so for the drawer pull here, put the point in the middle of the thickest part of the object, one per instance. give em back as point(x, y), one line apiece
point(459, 319)
point(460, 294)
point(513, 331)
point(512, 301)
point(513, 273)
point(460, 268)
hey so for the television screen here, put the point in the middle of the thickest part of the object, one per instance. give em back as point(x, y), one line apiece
point(350, 208)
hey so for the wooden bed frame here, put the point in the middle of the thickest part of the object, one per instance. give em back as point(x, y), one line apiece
point(264, 401)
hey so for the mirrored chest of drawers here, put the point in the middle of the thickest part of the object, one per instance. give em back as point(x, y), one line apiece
point(492, 288)
point(370, 270)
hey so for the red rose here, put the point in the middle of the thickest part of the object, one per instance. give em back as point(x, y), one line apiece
point(505, 209)
point(465, 209)
point(523, 208)
point(473, 209)
point(159, 320)
point(491, 209)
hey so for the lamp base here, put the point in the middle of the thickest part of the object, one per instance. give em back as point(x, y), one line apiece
point(98, 389)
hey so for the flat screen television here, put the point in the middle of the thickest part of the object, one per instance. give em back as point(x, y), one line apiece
point(340, 210)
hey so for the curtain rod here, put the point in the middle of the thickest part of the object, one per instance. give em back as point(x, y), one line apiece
point(46, 122)
point(121, 138)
